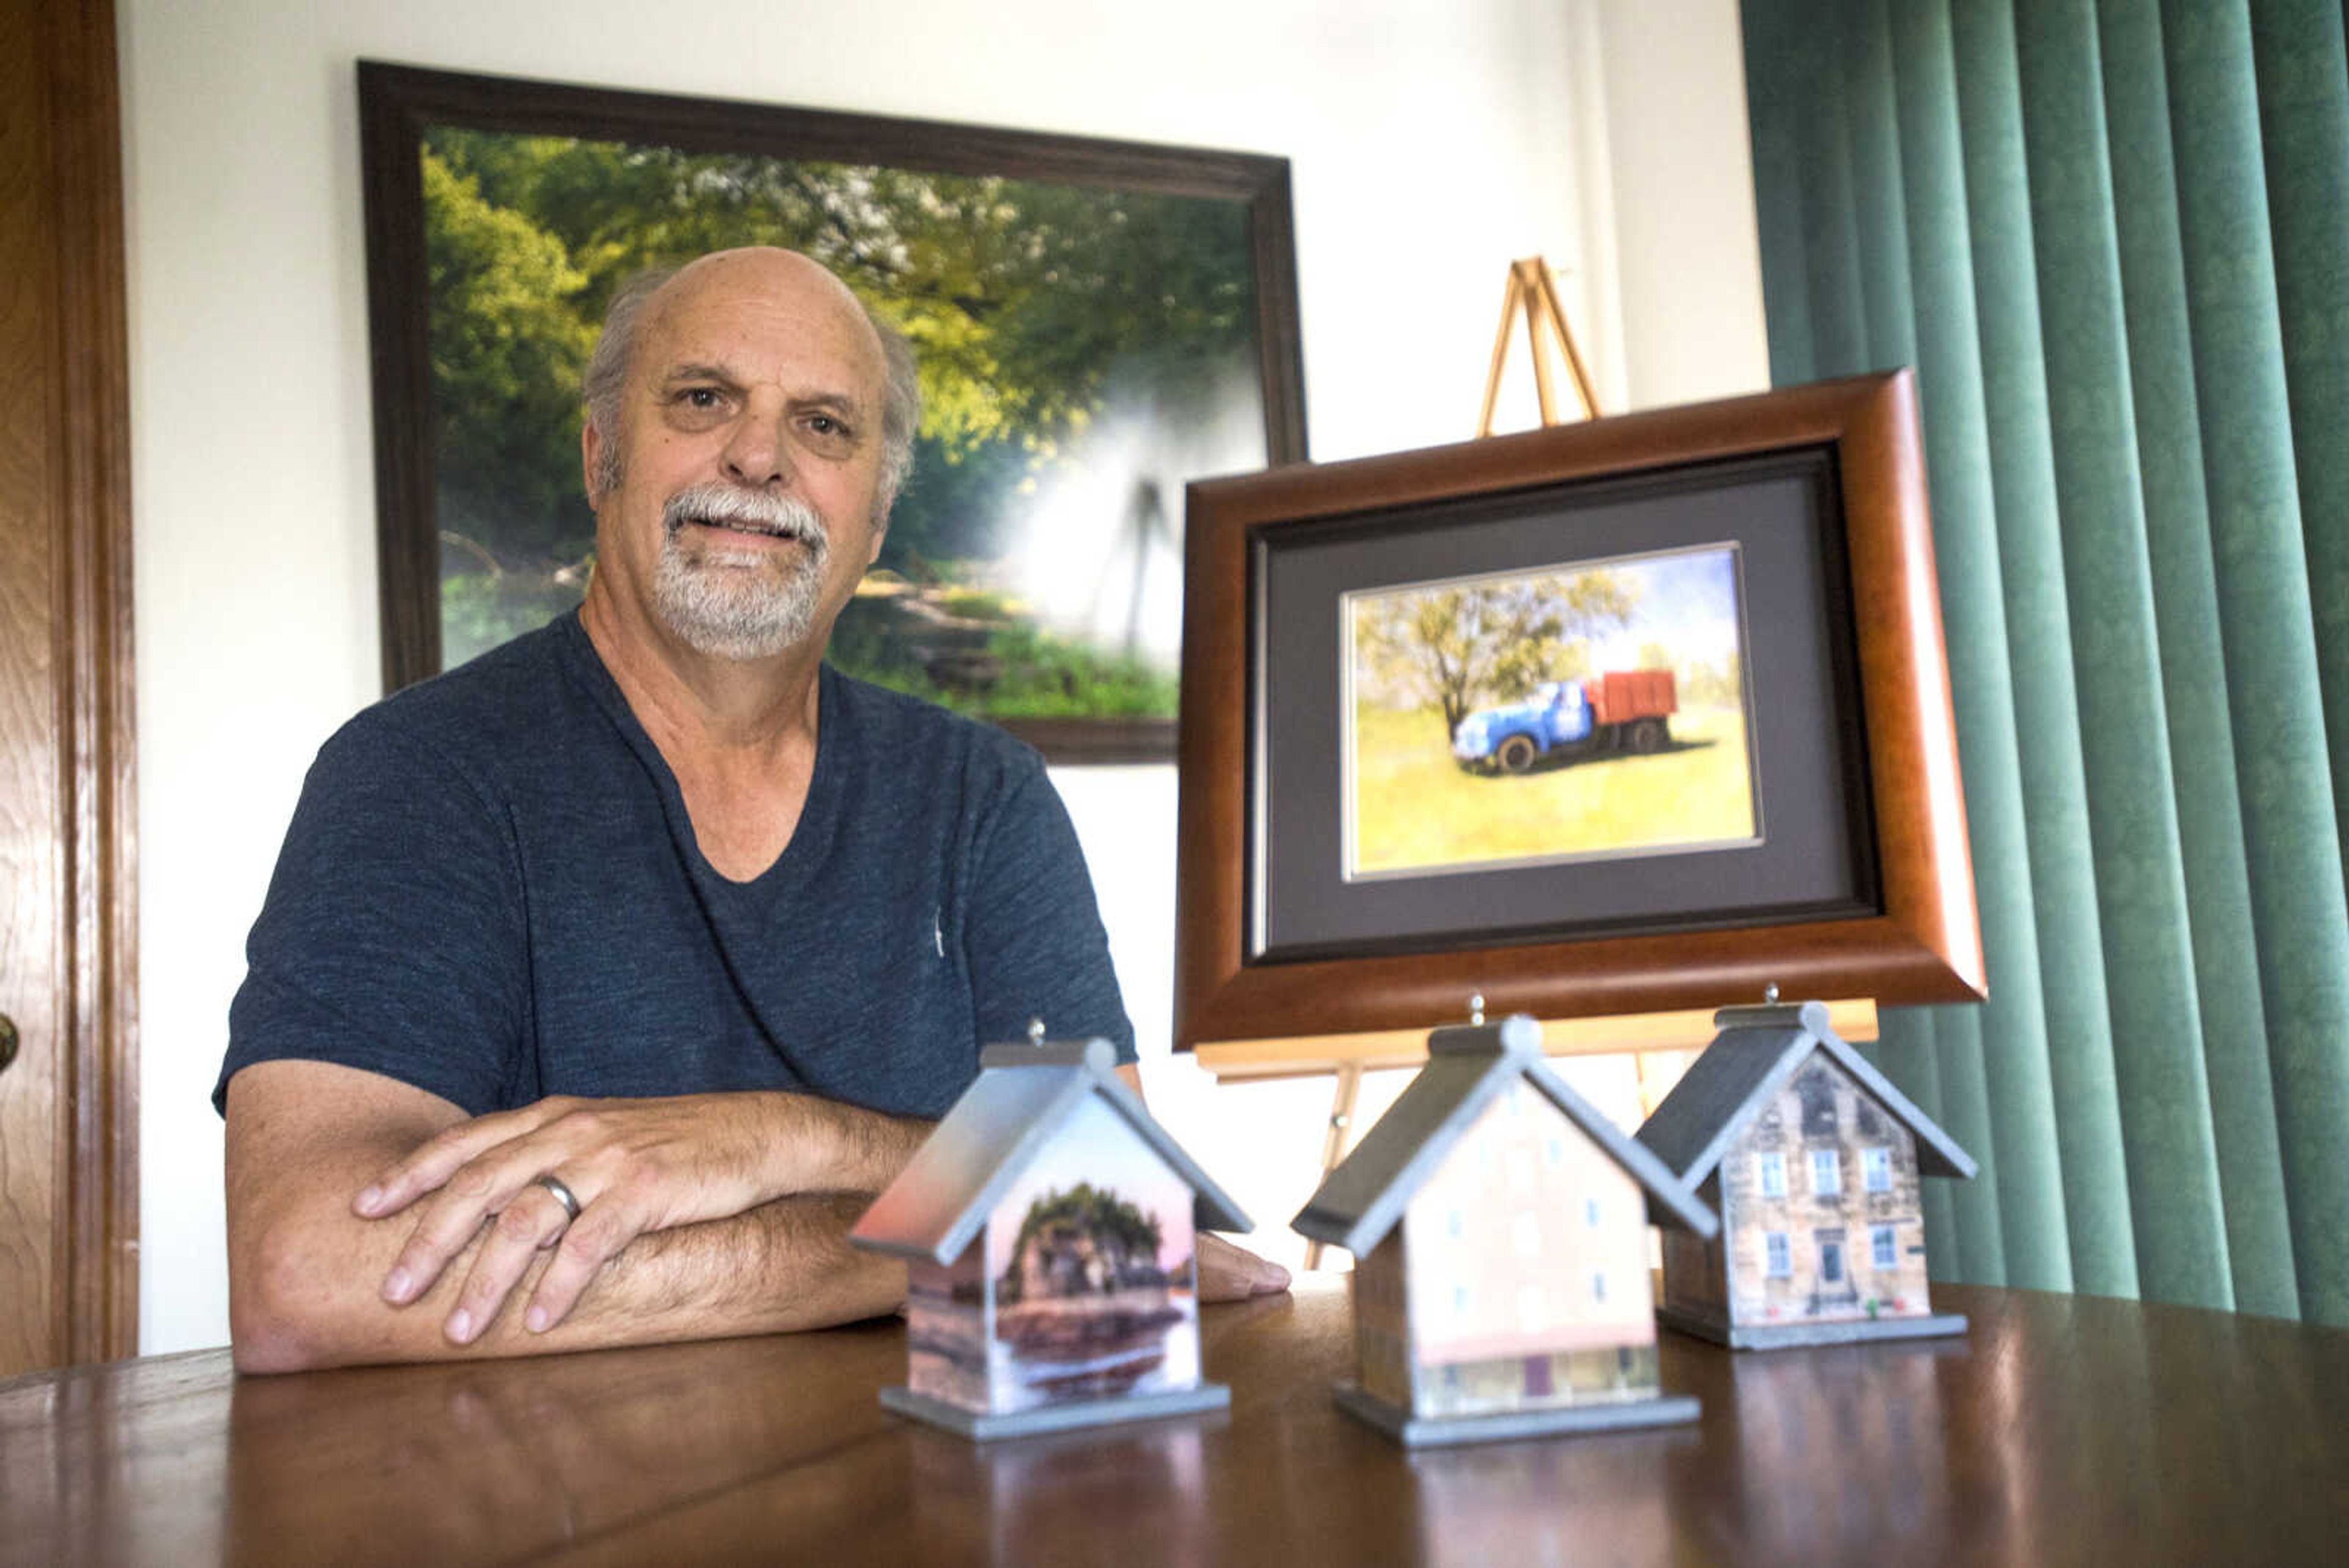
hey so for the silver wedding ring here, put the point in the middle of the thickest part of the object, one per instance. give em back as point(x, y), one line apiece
point(563, 1195)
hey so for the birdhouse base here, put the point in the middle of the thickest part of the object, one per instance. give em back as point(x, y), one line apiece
point(981, 1428)
point(1789, 1335)
point(1432, 1431)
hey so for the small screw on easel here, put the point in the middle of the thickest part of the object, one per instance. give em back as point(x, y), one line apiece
point(1476, 1008)
point(1035, 1032)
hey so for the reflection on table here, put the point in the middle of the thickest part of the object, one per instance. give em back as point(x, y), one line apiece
point(2059, 1429)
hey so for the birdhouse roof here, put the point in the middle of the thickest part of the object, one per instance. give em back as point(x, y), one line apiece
point(1022, 1098)
point(1756, 1051)
point(1468, 1068)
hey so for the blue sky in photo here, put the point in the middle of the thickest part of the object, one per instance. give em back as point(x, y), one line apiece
point(1688, 601)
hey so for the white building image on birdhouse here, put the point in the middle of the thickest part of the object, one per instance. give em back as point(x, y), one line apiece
point(1499, 1225)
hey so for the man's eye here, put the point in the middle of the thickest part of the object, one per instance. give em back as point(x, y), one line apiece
point(701, 396)
point(826, 425)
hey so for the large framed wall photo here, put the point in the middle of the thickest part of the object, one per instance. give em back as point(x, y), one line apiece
point(1098, 323)
point(1633, 715)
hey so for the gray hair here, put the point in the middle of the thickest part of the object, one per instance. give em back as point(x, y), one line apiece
point(607, 373)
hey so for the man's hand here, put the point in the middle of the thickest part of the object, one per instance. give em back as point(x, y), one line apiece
point(1229, 1273)
point(633, 1165)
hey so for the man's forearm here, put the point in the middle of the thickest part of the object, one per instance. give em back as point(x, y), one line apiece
point(318, 1280)
point(836, 1147)
point(782, 1266)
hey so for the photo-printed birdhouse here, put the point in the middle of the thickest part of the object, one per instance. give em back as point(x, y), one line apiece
point(1811, 1158)
point(1499, 1229)
point(1048, 1228)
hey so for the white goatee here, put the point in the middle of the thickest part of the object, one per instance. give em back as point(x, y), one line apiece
point(738, 604)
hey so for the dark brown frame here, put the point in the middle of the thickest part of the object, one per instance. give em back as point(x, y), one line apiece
point(1924, 945)
point(398, 102)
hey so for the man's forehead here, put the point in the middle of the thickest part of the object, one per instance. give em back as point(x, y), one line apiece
point(749, 312)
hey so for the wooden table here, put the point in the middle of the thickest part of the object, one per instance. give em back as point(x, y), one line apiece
point(2062, 1429)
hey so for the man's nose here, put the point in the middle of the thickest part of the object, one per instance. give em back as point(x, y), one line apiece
point(757, 454)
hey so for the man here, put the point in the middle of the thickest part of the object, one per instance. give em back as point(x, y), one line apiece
point(602, 982)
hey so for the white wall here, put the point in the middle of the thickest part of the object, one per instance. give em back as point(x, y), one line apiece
point(1429, 144)
point(1680, 173)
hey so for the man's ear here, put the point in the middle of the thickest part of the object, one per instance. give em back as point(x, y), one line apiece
point(591, 447)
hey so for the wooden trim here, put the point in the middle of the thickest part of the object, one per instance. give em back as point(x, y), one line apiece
point(1096, 741)
point(93, 651)
point(1924, 945)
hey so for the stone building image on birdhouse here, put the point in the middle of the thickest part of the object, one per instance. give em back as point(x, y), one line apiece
point(1812, 1159)
point(1048, 1228)
point(1499, 1226)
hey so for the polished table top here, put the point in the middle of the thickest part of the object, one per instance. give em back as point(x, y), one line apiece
point(2059, 1429)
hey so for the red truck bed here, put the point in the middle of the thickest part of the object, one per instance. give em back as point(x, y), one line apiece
point(1622, 695)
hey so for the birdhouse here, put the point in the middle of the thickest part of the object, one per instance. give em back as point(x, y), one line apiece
point(1499, 1225)
point(1811, 1158)
point(1048, 1228)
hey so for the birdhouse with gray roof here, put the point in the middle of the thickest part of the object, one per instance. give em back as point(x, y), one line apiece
point(1499, 1229)
point(1049, 1228)
point(1811, 1158)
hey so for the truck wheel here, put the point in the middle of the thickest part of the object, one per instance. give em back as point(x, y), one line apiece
point(1517, 754)
point(1649, 735)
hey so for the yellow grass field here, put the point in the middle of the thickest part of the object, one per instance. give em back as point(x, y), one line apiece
point(1416, 809)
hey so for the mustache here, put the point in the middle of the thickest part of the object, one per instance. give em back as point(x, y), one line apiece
point(749, 510)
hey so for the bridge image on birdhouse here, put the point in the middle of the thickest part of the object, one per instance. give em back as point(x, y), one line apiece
point(1499, 1225)
point(1049, 1230)
point(1813, 1159)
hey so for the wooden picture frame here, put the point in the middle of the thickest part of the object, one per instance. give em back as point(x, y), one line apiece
point(1869, 722)
point(399, 106)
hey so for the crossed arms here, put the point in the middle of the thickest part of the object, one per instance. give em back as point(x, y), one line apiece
point(703, 1216)
point(370, 1221)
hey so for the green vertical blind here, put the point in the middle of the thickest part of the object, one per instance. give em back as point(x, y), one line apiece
point(2114, 241)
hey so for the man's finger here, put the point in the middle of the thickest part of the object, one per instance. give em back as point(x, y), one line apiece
point(1229, 1273)
point(437, 1159)
point(593, 1240)
point(452, 1217)
point(530, 1223)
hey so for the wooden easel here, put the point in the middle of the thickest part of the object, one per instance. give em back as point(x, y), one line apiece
point(1533, 294)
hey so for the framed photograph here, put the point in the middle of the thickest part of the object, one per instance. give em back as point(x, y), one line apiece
point(1098, 324)
point(1632, 716)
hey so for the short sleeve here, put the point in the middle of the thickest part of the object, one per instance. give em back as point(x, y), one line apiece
point(1034, 935)
point(394, 935)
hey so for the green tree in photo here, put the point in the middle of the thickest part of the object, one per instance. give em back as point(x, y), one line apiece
point(1124, 1237)
point(507, 348)
point(1456, 647)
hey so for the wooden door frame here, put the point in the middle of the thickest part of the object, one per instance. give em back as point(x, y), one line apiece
point(98, 1220)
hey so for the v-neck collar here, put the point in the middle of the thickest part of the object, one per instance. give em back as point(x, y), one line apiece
point(814, 826)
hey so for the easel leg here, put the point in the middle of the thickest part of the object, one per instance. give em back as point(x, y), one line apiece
point(1333, 1145)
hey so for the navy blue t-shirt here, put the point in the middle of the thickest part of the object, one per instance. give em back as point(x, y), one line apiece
point(491, 890)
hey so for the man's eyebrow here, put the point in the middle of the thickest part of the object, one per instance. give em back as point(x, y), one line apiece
point(701, 370)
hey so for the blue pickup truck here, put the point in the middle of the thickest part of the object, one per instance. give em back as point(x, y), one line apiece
point(1624, 710)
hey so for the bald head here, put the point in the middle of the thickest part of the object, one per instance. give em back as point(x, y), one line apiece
point(642, 301)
